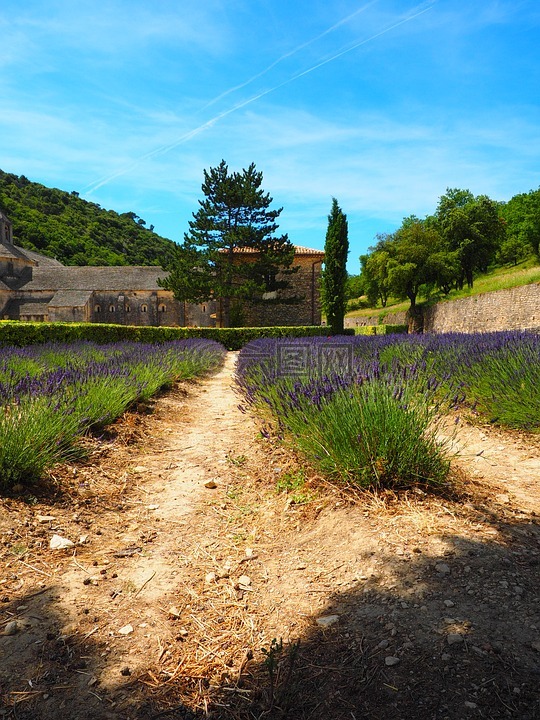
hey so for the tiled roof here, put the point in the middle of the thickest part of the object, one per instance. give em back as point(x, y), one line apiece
point(298, 250)
point(33, 309)
point(7, 250)
point(95, 278)
point(41, 259)
point(70, 298)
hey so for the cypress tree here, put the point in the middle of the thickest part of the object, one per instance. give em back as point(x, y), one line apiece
point(334, 274)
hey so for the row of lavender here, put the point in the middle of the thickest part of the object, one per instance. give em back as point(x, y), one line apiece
point(50, 395)
point(368, 410)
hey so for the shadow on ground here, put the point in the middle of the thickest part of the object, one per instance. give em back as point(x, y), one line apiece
point(382, 655)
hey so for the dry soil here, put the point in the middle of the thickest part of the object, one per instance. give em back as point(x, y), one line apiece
point(198, 586)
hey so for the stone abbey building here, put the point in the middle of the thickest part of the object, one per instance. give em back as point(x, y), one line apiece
point(35, 287)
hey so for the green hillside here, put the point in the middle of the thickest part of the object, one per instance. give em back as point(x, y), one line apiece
point(76, 232)
point(499, 278)
point(469, 245)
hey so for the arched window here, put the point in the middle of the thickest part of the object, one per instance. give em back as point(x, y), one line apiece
point(204, 308)
point(162, 308)
point(97, 308)
point(128, 309)
point(111, 308)
point(144, 308)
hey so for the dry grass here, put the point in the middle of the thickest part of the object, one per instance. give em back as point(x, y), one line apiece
point(206, 658)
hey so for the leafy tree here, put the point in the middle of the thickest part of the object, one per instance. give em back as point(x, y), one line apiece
point(473, 228)
point(334, 274)
point(445, 268)
point(354, 287)
point(231, 250)
point(445, 262)
point(522, 217)
point(445, 250)
point(187, 277)
point(374, 271)
point(513, 250)
point(411, 259)
point(414, 257)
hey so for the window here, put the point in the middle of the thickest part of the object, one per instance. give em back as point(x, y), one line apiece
point(144, 308)
point(97, 308)
point(111, 308)
point(162, 308)
point(128, 309)
point(270, 281)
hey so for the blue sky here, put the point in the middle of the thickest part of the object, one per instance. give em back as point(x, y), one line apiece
point(381, 104)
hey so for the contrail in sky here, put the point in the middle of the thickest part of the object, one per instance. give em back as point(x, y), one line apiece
point(290, 54)
point(91, 187)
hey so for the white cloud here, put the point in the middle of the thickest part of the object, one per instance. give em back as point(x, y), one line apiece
point(117, 27)
point(95, 97)
point(382, 165)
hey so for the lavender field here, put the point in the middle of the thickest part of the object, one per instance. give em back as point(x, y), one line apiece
point(50, 395)
point(366, 410)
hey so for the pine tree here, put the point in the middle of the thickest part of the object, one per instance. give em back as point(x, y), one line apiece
point(334, 274)
point(231, 251)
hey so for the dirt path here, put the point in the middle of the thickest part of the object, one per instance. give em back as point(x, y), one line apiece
point(187, 562)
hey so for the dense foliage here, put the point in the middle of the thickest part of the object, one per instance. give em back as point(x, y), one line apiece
point(76, 232)
point(334, 274)
point(522, 217)
point(52, 394)
point(365, 409)
point(234, 215)
point(465, 237)
point(22, 334)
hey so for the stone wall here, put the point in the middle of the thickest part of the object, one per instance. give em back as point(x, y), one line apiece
point(141, 307)
point(14, 271)
point(80, 314)
point(35, 287)
point(514, 309)
point(351, 322)
point(203, 315)
point(398, 318)
point(5, 297)
point(305, 290)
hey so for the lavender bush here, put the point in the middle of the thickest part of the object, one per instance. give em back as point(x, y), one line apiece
point(50, 395)
point(497, 374)
point(358, 419)
point(366, 408)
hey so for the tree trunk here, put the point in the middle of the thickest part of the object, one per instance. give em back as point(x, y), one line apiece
point(224, 312)
point(415, 320)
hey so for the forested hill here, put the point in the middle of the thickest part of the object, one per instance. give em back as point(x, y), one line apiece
point(76, 232)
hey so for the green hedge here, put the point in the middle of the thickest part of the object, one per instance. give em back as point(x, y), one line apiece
point(366, 330)
point(380, 329)
point(19, 333)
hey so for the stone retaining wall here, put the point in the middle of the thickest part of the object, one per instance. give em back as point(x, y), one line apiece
point(398, 318)
point(514, 309)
